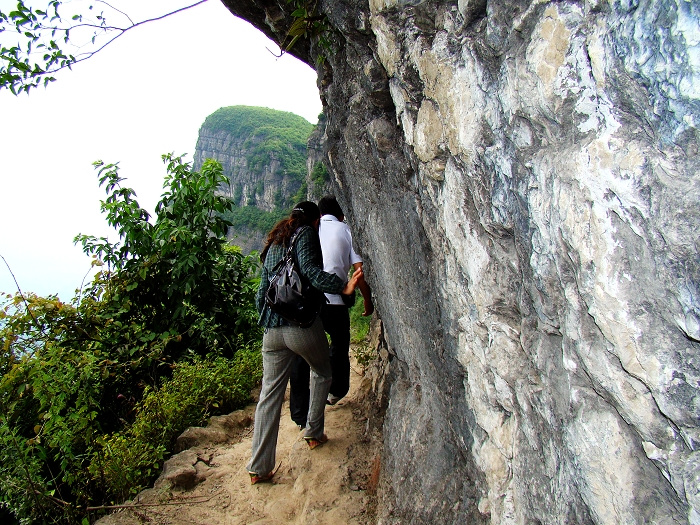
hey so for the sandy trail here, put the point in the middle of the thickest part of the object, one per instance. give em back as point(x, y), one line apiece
point(332, 484)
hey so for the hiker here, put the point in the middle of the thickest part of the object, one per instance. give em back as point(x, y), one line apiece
point(282, 341)
point(338, 257)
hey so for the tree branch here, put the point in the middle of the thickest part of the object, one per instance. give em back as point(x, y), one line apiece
point(122, 32)
point(117, 10)
point(19, 75)
point(186, 501)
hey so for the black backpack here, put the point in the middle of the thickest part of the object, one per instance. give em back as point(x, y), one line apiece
point(290, 295)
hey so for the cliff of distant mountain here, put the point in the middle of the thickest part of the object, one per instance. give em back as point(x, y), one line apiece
point(522, 179)
point(264, 155)
point(318, 181)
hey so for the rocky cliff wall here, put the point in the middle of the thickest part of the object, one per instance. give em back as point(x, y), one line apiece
point(523, 182)
point(318, 181)
point(249, 186)
point(263, 153)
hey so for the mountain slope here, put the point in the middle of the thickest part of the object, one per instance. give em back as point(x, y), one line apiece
point(264, 155)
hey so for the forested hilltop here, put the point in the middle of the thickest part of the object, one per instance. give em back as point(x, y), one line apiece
point(263, 153)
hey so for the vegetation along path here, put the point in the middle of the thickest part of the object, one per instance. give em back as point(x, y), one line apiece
point(207, 483)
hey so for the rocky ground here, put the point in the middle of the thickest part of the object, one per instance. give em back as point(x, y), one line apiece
point(207, 483)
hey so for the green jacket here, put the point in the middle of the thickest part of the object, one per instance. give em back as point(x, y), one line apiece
point(307, 251)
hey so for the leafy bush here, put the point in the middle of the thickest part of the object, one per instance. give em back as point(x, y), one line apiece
point(91, 386)
point(176, 272)
point(129, 459)
point(251, 217)
point(359, 334)
point(359, 325)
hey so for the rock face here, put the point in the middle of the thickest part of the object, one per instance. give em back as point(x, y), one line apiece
point(263, 153)
point(523, 182)
point(318, 182)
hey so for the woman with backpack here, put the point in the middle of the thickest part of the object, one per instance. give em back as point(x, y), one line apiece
point(283, 339)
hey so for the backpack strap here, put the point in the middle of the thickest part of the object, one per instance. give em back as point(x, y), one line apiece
point(293, 239)
point(290, 250)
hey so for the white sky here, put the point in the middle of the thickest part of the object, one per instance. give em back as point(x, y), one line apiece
point(144, 95)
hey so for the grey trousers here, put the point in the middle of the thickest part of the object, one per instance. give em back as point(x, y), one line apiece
point(278, 349)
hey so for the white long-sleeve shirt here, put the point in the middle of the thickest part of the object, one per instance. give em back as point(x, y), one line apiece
point(338, 253)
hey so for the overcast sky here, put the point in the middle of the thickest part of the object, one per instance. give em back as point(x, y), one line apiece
point(144, 95)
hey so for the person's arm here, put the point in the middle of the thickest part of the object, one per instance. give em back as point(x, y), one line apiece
point(364, 290)
point(262, 288)
point(308, 252)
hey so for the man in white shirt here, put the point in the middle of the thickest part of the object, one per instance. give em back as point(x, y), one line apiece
point(338, 257)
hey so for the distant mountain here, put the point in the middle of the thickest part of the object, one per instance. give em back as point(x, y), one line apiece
point(265, 156)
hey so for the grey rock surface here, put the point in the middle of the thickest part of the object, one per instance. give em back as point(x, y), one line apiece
point(523, 183)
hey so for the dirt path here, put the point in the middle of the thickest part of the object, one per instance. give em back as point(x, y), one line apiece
point(333, 484)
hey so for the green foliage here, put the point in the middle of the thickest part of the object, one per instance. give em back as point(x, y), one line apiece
point(307, 23)
point(319, 178)
point(23, 488)
point(128, 459)
point(249, 121)
point(80, 381)
point(301, 194)
point(359, 334)
point(364, 354)
point(237, 193)
point(279, 199)
point(18, 70)
point(175, 270)
point(359, 324)
point(250, 217)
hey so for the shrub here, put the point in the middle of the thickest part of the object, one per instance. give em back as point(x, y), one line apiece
point(103, 384)
point(359, 325)
point(359, 335)
point(130, 459)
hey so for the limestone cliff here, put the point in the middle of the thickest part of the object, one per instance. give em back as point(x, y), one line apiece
point(522, 180)
point(318, 181)
point(264, 155)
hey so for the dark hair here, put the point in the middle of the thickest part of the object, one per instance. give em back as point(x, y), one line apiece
point(328, 205)
point(304, 214)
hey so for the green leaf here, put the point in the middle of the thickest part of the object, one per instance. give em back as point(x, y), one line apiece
point(298, 27)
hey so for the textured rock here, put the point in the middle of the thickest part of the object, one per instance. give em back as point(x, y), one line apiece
point(522, 180)
point(220, 429)
point(187, 467)
point(197, 436)
point(180, 471)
